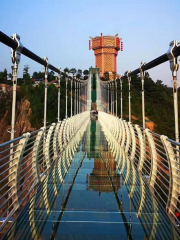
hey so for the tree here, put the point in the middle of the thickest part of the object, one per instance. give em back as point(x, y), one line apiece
point(147, 74)
point(79, 72)
point(73, 71)
point(51, 76)
point(159, 82)
point(26, 69)
point(38, 75)
point(10, 76)
point(86, 72)
point(114, 75)
point(26, 75)
point(66, 70)
point(35, 75)
point(3, 75)
point(106, 75)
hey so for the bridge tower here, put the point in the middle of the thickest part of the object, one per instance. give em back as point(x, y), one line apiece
point(106, 50)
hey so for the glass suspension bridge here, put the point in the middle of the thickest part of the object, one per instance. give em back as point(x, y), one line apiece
point(92, 175)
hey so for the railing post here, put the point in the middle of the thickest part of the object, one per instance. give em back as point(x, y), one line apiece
point(77, 104)
point(66, 78)
point(47, 151)
point(129, 83)
point(15, 57)
point(60, 136)
point(123, 139)
point(16, 170)
point(79, 96)
point(133, 141)
point(142, 197)
point(143, 103)
point(121, 81)
point(56, 149)
point(113, 95)
point(45, 90)
point(141, 142)
point(133, 185)
point(71, 97)
point(128, 137)
point(116, 95)
point(174, 68)
point(35, 151)
point(59, 93)
point(153, 174)
point(74, 95)
point(173, 175)
point(108, 96)
point(111, 98)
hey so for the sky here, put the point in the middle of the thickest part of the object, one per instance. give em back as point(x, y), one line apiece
point(60, 30)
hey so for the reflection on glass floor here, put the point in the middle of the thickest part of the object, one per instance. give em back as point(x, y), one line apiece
point(92, 193)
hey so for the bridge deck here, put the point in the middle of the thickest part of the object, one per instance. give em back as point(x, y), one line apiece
point(96, 200)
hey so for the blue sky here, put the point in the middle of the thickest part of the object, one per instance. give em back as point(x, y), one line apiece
point(60, 30)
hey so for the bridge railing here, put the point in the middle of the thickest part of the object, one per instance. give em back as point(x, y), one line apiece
point(27, 162)
point(147, 209)
point(109, 89)
point(155, 156)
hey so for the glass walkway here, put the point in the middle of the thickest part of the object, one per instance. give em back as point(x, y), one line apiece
point(89, 197)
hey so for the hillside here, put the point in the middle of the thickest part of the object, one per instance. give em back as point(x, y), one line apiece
point(29, 108)
point(159, 108)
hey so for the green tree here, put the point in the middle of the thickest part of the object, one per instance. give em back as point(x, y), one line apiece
point(114, 75)
point(73, 71)
point(66, 70)
point(26, 75)
point(38, 75)
point(106, 75)
point(86, 72)
point(51, 76)
point(3, 76)
point(26, 69)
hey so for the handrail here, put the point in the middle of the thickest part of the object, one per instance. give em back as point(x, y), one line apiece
point(13, 44)
point(8, 41)
point(174, 142)
point(11, 141)
point(30, 160)
point(157, 61)
point(155, 156)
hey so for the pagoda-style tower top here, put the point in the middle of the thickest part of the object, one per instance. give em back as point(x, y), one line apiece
point(105, 50)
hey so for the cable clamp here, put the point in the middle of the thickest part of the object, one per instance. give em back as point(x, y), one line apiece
point(16, 54)
point(141, 70)
point(172, 59)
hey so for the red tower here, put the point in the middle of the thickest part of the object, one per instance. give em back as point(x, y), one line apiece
point(106, 50)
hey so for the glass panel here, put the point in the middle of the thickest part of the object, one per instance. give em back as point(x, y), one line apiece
point(88, 198)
